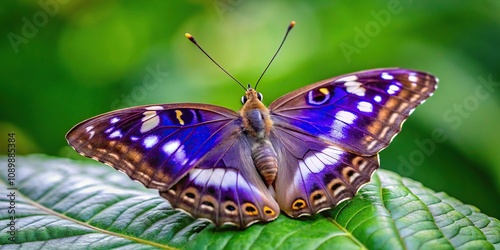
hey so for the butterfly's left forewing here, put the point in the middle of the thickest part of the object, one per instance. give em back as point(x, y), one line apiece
point(189, 152)
point(155, 145)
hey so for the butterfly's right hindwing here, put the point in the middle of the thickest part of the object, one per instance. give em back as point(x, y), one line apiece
point(314, 175)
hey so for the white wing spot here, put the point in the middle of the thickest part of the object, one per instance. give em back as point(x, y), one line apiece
point(371, 145)
point(392, 89)
point(393, 117)
point(150, 141)
point(172, 147)
point(329, 155)
point(353, 177)
point(116, 134)
point(412, 78)
point(229, 180)
point(313, 163)
point(148, 115)
point(384, 131)
point(362, 165)
point(347, 79)
point(403, 106)
point(90, 130)
point(337, 129)
point(386, 76)
point(150, 121)
point(345, 116)
point(339, 189)
point(154, 108)
point(217, 177)
point(355, 88)
point(377, 98)
point(114, 120)
point(331, 150)
point(342, 118)
point(365, 106)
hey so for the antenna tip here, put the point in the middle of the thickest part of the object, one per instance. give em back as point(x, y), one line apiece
point(190, 37)
point(292, 24)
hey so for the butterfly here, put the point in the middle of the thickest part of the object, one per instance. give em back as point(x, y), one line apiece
point(308, 151)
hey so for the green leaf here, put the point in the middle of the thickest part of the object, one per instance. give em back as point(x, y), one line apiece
point(61, 203)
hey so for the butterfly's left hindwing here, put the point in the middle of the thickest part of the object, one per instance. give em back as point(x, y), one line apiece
point(225, 187)
point(190, 152)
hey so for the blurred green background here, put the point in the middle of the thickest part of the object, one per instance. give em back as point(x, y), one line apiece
point(65, 61)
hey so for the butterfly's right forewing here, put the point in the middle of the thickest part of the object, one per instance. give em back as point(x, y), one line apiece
point(360, 112)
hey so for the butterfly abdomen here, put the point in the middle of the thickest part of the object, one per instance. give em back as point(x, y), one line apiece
point(265, 160)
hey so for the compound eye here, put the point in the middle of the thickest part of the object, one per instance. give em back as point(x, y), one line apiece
point(260, 96)
point(244, 99)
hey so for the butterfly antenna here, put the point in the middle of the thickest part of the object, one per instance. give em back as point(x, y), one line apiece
point(191, 38)
point(292, 24)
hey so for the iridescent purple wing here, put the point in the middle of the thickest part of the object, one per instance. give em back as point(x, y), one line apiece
point(360, 112)
point(192, 146)
point(155, 145)
point(225, 187)
point(328, 134)
point(314, 175)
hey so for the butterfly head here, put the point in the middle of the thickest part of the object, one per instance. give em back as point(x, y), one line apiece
point(256, 117)
point(251, 94)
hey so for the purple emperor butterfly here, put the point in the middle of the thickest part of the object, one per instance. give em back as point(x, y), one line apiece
point(311, 149)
